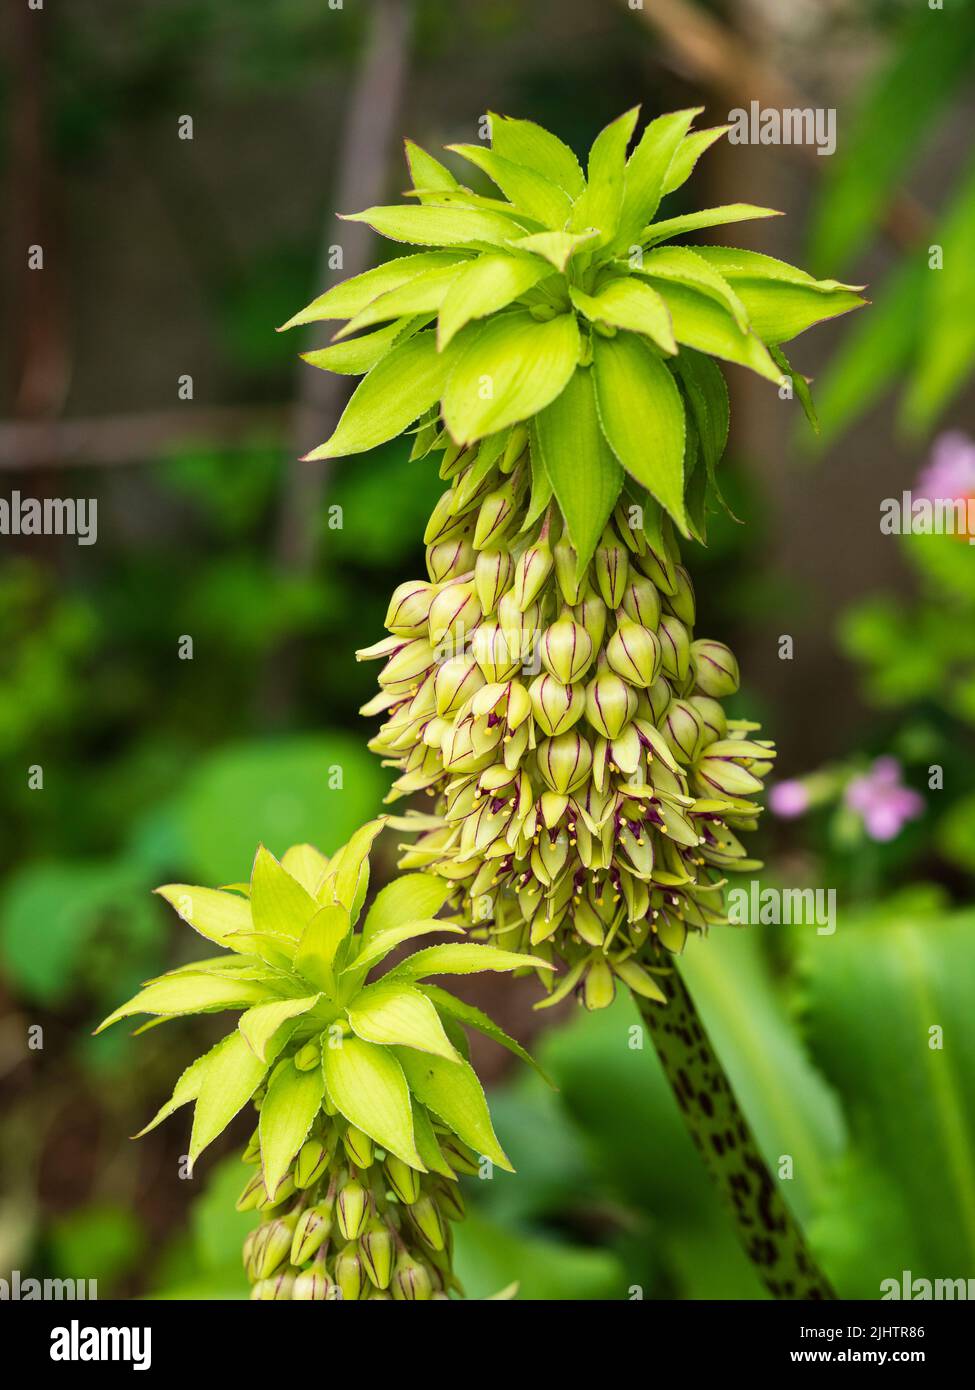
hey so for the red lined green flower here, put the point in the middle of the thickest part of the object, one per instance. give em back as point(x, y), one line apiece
point(368, 1107)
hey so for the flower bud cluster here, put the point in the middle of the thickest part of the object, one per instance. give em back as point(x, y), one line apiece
point(589, 786)
point(352, 1222)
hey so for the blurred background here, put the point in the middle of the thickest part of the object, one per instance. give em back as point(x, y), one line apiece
point(181, 164)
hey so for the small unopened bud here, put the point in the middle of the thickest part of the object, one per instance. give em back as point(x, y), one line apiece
point(278, 1288)
point(409, 608)
point(312, 1285)
point(376, 1253)
point(565, 762)
point(656, 700)
point(599, 987)
point(493, 573)
point(683, 729)
point(456, 680)
point(612, 569)
point(713, 719)
point(313, 1229)
point(358, 1146)
point(588, 925)
point(715, 668)
point(681, 602)
point(404, 1180)
point(450, 559)
point(272, 1246)
point(556, 706)
point(725, 776)
point(444, 524)
point(310, 1164)
point(425, 1215)
point(496, 655)
point(610, 704)
point(515, 447)
point(675, 646)
point(352, 1208)
point(253, 1194)
point(495, 516)
point(641, 601)
point(456, 610)
point(309, 1057)
point(531, 572)
point(348, 1274)
point(451, 1200)
point(411, 1280)
point(566, 650)
point(566, 570)
point(406, 666)
point(591, 613)
point(633, 651)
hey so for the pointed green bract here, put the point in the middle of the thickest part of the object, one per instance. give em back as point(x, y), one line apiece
point(214, 914)
point(631, 304)
point(279, 904)
point(708, 217)
point(524, 142)
point(436, 226)
point(406, 900)
point(512, 369)
point(367, 1085)
point(288, 1111)
point(259, 1024)
point(351, 296)
point(320, 942)
point(232, 1075)
point(642, 417)
point(464, 958)
point(397, 1013)
point(452, 1092)
point(646, 170)
point(600, 205)
point(484, 286)
point(189, 994)
point(529, 191)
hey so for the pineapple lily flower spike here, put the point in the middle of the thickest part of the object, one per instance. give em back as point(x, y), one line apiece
point(367, 1106)
point(555, 348)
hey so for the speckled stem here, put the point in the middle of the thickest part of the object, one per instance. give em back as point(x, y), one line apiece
point(768, 1231)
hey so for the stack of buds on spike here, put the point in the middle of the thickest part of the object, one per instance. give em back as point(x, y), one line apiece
point(350, 1221)
point(589, 787)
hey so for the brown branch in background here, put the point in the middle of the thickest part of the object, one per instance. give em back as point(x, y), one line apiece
point(715, 57)
point(137, 438)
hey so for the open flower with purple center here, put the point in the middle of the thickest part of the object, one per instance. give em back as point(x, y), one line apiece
point(882, 801)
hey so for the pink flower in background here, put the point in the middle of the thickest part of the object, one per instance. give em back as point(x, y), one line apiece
point(881, 799)
point(950, 471)
point(788, 799)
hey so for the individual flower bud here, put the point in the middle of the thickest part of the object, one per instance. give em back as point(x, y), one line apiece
point(713, 719)
point(566, 570)
point(409, 608)
point(494, 517)
point(411, 1280)
point(591, 613)
point(253, 1194)
point(309, 1057)
point(519, 705)
point(587, 923)
point(715, 668)
point(641, 601)
point(634, 653)
point(376, 1253)
point(408, 665)
point(531, 572)
point(348, 1275)
point(493, 573)
point(313, 1229)
point(612, 569)
point(451, 1200)
point(515, 447)
point(272, 1246)
point(497, 656)
point(598, 987)
point(312, 1285)
point(455, 610)
point(460, 1157)
point(450, 559)
point(284, 1190)
point(352, 1208)
point(252, 1153)
point(444, 524)
point(358, 1146)
point(682, 602)
point(310, 1164)
point(610, 704)
point(675, 646)
point(565, 762)
point(556, 706)
point(456, 680)
point(404, 1180)
point(721, 774)
point(683, 729)
point(566, 650)
point(657, 699)
point(425, 1215)
point(278, 1288)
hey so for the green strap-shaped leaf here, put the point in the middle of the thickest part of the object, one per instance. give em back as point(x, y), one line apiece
point(481, 288)
point(422, 295)
point(405, 900)
point(214, 914)
point(408, 381)
point(348, 876)
point(427, 173)
point(453, 1093)
point(187, 1088)
point(380, 945)
point(686, 267)
point(280, 907)
point(529, 191)
point(232, 1075)
point(476, 1018)
point(184, 993)
point(360, 355)
point(642, 416)
point(583, 470)
point(366, 1084)
point(646, 170)
point(601, 203)
point(436, 226)
point(319, 945)
point(427, 1144)
point(688, 153)
point(346, 299)
point(524, 142)
point(397, 1013)
point(462, 958)
point(288, 1111)
point(630, 304)
point(512, 368)
point(259, 1024)
point(702, 323)
point(707, 217)
point(780, 300)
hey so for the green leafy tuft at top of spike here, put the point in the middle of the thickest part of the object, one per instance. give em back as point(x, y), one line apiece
point(565, 280)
